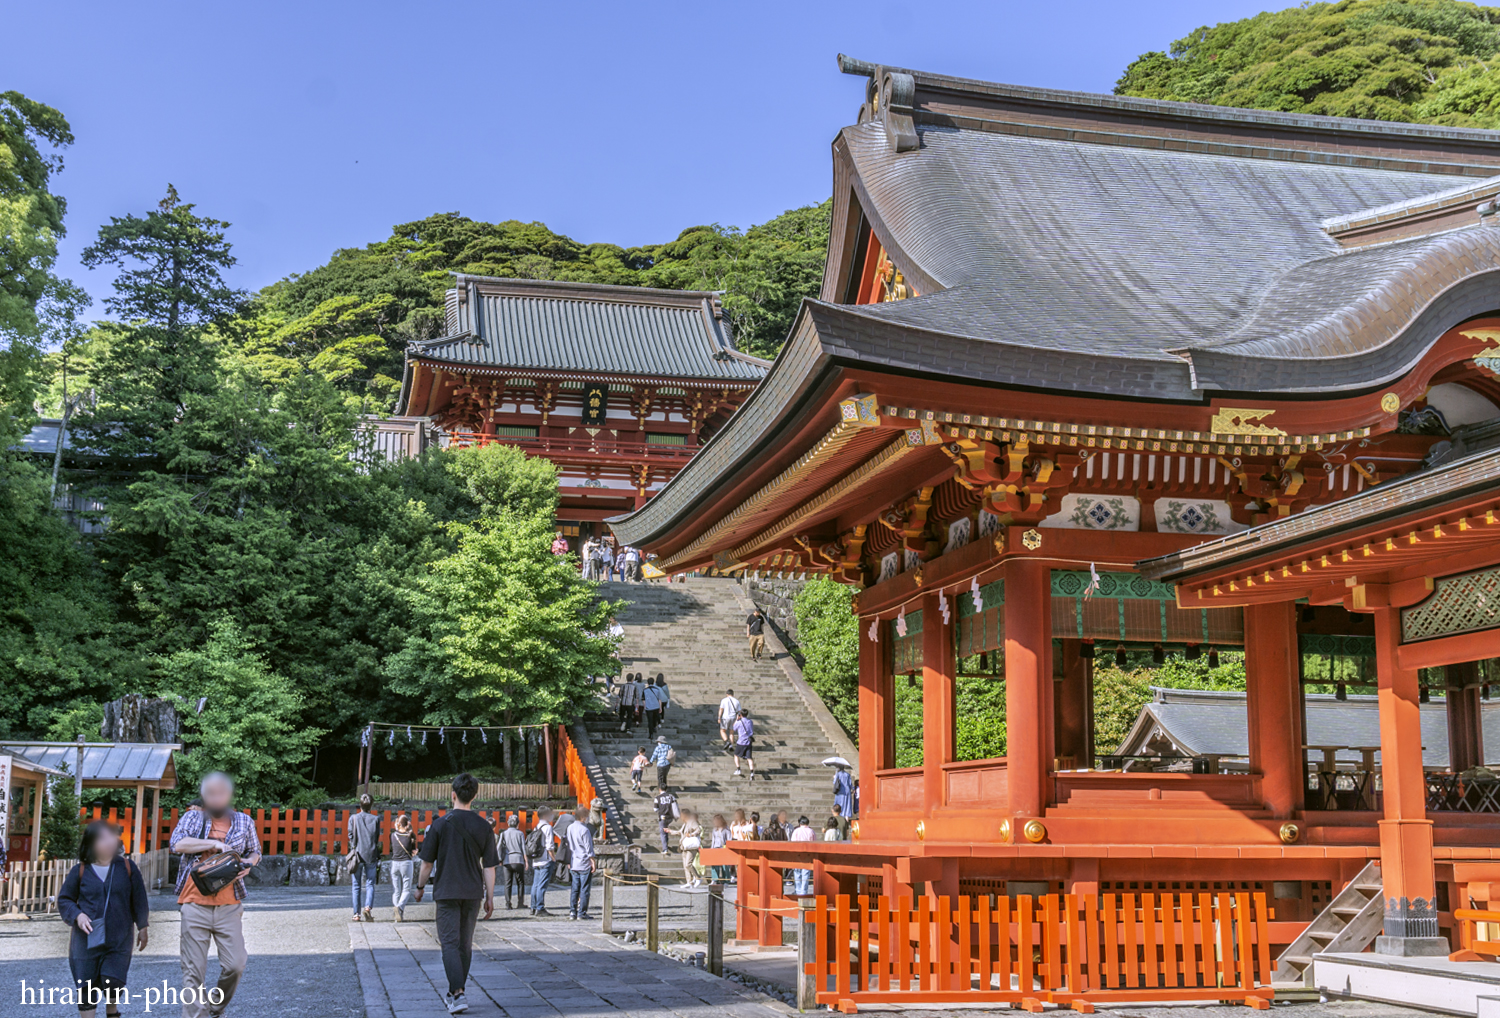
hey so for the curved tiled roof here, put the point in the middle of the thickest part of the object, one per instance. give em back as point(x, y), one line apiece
point(584, 328)
point(1166, 256)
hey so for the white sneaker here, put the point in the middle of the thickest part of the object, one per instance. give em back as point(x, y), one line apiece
point(737, 774)
point(456, 1003)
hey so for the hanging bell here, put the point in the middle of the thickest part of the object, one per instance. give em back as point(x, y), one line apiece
point(1193, 652)
point(911, 680)
point(1213, 658)
point(984, 661)
point(1120, 659)
point(1340, 693)
point(1158, 654)
point(1087, 650)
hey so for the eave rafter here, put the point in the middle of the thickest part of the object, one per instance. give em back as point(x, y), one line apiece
point(1343, 574)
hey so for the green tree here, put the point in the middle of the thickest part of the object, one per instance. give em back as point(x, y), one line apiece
point(505, 631)
point(501, 479)
point(31, 222)
point(239, 717)
point(164, 362)
point(1414, 60)
point(828, 638)
point(61, 829)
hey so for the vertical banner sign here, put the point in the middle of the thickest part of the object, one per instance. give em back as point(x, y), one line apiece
point(595, 401)
point(4, 800)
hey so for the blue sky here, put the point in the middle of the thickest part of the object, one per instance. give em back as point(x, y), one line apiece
point(313, 126)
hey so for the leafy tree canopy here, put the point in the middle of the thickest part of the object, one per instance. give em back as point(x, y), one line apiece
point(1427, 61)
point(350, 319)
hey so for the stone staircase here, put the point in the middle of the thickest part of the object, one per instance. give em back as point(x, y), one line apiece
point(694, 633)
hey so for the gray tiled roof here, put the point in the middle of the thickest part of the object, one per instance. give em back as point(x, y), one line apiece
point(1215, 722)
point(588, 328)
point(1105, 250)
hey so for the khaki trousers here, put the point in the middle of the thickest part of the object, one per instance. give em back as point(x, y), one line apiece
point(757, 646)
point(224, 924)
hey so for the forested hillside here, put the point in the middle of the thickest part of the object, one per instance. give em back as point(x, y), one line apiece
point(1428, 61)
point(349, 320)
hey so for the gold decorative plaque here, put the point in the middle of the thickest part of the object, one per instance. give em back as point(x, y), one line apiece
point(1239, 420)
point(1032, 539)
point(1390, 402)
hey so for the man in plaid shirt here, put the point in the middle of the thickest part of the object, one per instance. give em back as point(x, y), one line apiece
point(215, 827)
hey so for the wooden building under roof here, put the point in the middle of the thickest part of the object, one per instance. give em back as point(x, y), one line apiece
point(617, 385)
point(1060, 334)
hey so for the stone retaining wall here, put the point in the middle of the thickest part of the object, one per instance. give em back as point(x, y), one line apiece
point(774, 598)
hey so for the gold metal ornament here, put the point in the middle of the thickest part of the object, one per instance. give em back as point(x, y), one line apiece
point(854, 831)
point(1290, 832)
point(1032, 539)
point(921, 830)
point(1006, 834)
point(1390, 402)
point(1034, 831)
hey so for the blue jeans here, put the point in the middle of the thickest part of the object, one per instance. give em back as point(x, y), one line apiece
point(578, 897)
point(541, 875)
point(363, 878)
point(802, 881)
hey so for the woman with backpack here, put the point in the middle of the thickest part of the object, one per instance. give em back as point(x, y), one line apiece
point(403, 865)
point(103, 898)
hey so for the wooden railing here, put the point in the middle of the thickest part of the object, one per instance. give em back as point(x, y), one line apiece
point(437, 791)
point(578, 777)
point(1477, 932)
point(304, 831)
point(1073, 950)
point(577, 444)
point(31, 887)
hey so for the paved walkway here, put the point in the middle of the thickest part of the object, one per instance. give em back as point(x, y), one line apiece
point(539, 969)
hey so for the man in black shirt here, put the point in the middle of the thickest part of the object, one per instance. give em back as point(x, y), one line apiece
point(755, 629)
point(667, 813)
point(462, 844)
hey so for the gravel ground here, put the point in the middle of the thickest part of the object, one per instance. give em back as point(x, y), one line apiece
point(298, 940)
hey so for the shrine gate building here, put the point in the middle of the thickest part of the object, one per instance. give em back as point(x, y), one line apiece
point(617, 385)
point(1060, 335)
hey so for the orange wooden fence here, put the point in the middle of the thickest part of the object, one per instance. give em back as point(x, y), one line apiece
point(1075, 950)
point(295, 831)
point(578, 776)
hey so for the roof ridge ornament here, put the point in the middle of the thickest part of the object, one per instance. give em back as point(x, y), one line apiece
point(890, 97)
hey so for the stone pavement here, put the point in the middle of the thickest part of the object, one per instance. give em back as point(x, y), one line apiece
point(527, 968)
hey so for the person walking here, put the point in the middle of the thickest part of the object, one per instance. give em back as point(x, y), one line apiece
point(690, 842)
point(461, 844)
point(580, 864)
point(744, 742)
point(772, 830)
point(219, 917)
point(638, 767)
point(403, 865)
point(589, 555)
point(843, 791)
point(802, 879)
point(655, 700)
point(755, 632)
point(512, 854)
point(103, 898)
point(539, 850)
point(632, 564)
point(729, 709)
point(667, 811)
point(718, 838)
point(606, 561)
point(560, 851)
point(362, 839)
point(840, 822)
point(630, 701)
point(663, 756)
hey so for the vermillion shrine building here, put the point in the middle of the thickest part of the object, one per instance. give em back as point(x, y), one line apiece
point(1239, 364)
point(617, 385)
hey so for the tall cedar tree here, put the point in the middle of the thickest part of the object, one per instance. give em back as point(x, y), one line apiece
point(164, 364)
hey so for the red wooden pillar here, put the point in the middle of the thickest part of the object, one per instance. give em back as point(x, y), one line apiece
point(875, 714)
point(1028, 667)
point(1273, 704)
point(1074, 705)
point(937, 702)
point(1465, 736)
point(1406, 866)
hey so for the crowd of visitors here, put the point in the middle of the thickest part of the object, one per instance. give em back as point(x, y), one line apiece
point(605, 559)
